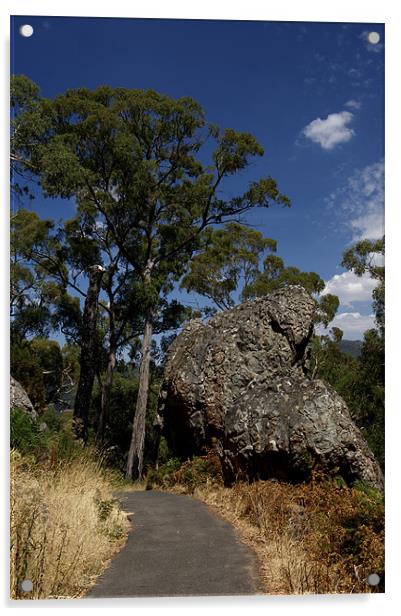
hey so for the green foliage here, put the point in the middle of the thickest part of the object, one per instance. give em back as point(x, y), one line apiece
point(335, 367)
point(151, 196)
point(327, 307)
point(370, 393)
point(227, 257)
point(198, 471)
point(162, 476)
point(38, 365)
point(52, 419)
point(276, 275)
point(120, 414)
point(53, 441)
point(164, 453)
point(369, 495)
point(104, 508)
point(50, 360)
point(39, 301)
point(25, 433)
point(25, 368)
point(27, 127)
point(188, 475)
point(367, 257)
point(228, 263)
point(360, 381)
point(71, 353)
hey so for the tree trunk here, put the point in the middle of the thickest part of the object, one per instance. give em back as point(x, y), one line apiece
point(88, 354)
point(135, 455)
point(106, 393)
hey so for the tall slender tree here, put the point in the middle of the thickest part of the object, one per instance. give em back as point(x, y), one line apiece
point(88, 353)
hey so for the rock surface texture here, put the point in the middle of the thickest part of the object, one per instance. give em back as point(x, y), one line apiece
point(238, 384)
point(19, 398)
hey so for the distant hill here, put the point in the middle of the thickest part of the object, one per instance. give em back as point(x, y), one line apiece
point(352, 347)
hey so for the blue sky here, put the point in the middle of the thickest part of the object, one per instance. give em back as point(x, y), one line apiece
point(311, 93)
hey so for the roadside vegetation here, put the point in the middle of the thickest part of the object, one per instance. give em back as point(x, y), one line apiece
point(310, 538)
point(65, 523)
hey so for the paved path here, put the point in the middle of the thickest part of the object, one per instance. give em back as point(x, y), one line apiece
point(176, 547)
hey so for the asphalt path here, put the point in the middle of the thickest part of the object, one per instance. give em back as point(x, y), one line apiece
point(176, 547)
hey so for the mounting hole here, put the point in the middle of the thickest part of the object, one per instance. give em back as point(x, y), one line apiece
point(373, 579)
point(373, 38)
point(27, 586)
point(26, 30)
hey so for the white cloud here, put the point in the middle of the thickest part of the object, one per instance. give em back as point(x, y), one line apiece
point(360, 202)
point(332, 131)
point(350, 288)
point(353, 104)
point(368, 226)
point(353, 324)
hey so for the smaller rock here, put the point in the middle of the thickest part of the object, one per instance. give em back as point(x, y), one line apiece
point(20, 399)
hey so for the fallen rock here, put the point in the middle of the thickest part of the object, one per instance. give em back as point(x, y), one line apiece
point(20, 399)
point(238, 384)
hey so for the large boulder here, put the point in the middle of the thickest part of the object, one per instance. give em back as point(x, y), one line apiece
point(284, 428)
point(20, 399)
point(238, 384)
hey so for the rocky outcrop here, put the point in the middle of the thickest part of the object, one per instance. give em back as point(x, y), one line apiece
point(238, 384)
point(20, 399)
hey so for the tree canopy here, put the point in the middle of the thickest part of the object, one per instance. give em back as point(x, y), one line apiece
point(227, 269)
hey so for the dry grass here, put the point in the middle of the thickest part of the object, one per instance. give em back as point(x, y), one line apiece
point(310, 538)
point(65, 525)
point(316, 537)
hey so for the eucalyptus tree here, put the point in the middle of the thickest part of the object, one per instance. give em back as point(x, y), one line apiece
point(39, 298)
point(112, 317)
point(276, 274)
point(133, 158)
point(27, 128)
point(367, 257)
point(226, 262)
point(227, 269)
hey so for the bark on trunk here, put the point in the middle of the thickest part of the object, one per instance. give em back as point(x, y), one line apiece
point(135, 455)
point(105, 400)
point(88, 355)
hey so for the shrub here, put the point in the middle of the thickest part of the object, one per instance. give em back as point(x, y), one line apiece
point(320, 537)
point(163, 476)
point(37, 364)
point(188, 475)
point(118, 431)
point(121, 411)
point(54, 443)
point(25, 433)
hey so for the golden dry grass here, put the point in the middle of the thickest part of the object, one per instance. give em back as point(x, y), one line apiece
point(309, 538)
point(316, 537)
point(65, 525)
